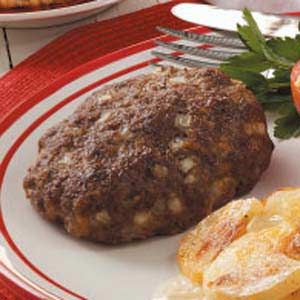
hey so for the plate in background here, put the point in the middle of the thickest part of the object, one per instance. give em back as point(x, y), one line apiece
point(56, 16)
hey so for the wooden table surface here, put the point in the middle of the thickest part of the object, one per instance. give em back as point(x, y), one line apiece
point(23, 42)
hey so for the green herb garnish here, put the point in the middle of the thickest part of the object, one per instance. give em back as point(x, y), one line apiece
point(264, 56)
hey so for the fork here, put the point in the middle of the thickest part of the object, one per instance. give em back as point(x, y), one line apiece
point(206, 56)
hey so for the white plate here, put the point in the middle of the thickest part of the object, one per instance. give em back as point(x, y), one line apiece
point(44, 260)
point(51, 17)
point(273, 6)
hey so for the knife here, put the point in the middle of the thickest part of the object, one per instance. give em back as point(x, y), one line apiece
point(227, 19)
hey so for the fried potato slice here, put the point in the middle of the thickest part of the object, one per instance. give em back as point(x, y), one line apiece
point(282, 205)
point(285, 203)
point(293, 296)
point(260, 265)
point(203, 244)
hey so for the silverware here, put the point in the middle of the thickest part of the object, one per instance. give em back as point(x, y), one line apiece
point(225, 46)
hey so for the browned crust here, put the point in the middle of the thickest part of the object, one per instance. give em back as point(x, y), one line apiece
point(150, 155)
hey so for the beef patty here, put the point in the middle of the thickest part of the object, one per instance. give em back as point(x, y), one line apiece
point(150, 156)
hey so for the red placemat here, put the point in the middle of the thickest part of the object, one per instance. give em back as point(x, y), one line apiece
point(69, 51)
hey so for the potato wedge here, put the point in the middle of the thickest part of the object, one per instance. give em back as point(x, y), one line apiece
point(202, 245)
point(260, 265)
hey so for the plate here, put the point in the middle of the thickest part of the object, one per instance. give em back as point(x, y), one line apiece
point(39, 258)
point(56, 16)
point(274, 6)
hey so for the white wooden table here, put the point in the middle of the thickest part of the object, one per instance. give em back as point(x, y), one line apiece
point(24, 42)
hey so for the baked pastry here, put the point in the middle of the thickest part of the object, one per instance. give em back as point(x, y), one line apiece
point(149, 156)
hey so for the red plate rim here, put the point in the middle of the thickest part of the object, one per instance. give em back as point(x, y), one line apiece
point(23, 107)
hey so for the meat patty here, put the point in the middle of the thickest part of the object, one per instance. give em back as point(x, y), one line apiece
point(149, 156)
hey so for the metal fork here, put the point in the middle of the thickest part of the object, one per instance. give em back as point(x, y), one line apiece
point(206, 56)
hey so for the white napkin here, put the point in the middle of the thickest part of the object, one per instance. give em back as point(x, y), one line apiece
point(268, 6)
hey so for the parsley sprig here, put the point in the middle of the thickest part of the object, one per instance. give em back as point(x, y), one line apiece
point(275, 56)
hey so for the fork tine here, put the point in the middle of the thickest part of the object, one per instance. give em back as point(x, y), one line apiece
point(187, 62)
point(208, 53)
point(203, 38)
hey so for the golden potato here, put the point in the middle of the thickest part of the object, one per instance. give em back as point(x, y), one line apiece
point(247, 250)
point(285, 203)
point(201, 246)
point(281, 206)
point(261, 265)
point(293, 296)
